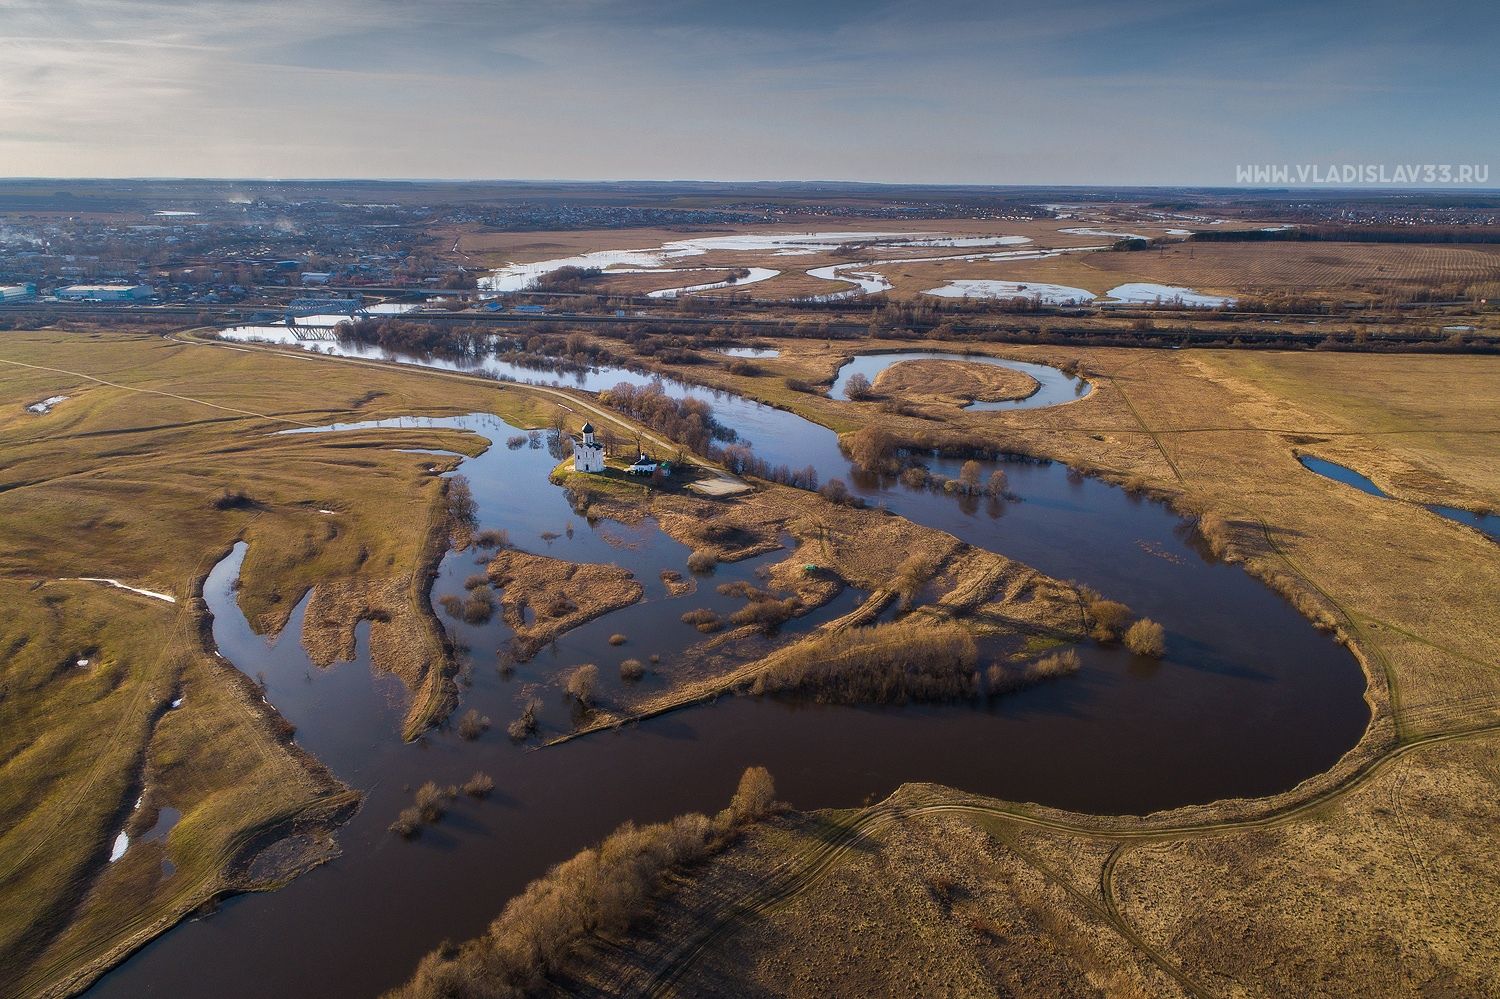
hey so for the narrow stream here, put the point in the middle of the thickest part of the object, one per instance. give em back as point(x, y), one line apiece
point(1487, 524)
point(1249, 700)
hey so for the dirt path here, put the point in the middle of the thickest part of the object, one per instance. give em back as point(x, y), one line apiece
point(144, 391)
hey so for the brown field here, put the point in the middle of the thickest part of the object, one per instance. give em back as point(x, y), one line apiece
point(1341, 271)
point(1346, 270)
point(499, 248)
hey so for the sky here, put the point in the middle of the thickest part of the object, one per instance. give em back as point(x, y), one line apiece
point(943, 91)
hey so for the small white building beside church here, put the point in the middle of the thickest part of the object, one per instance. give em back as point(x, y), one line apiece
point(588, 453)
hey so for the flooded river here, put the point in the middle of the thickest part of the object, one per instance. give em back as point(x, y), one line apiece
point(1249, 700)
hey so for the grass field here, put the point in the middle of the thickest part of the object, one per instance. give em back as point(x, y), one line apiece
point(156, 463)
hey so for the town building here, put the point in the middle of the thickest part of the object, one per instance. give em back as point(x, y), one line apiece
point(588, 453)
point(106, 292)
point(17, 292)
point(316, 277)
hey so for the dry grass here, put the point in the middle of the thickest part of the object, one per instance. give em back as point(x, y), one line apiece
point(916, 659)
point(952, 383)
point(561, 595)
point(1324, 270)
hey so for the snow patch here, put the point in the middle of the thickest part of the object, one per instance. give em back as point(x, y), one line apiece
point(45, 406)
point(119, 585)
point(1047, 294)
point(1142, 293)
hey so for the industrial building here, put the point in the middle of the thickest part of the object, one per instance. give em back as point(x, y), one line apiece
point(106, 292)
point(17, 292)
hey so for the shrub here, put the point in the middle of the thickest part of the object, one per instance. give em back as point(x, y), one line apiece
point(480, 785)
point(617, 639)
point(1146, 638)
point(581, 683)
point(516, 442)
point(911, 575)
point(232, 500)
point(476, 580)
point(1002, 679)
point(632, 669)
point(799, 385)
point(768, 614)
point(858, 386)
point(453, 605)
point(892, 663)
point(704, 620)
point(872, 448)
point(600, 893)
point(479, 608)
point(997, 484)
point(835, 491)
point(431, 804)
point(526, 724)
point(914, 477)
point(462, 506)
point(1107, 618)
point(755, 797)
point(492, 537)
point(472, 725)
point(408, 823)
point(702, 560)
point(1216, 532)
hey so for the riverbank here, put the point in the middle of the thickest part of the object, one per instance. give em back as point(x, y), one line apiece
point(162, 457)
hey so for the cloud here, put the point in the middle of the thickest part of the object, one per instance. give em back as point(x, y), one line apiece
point(961, 90)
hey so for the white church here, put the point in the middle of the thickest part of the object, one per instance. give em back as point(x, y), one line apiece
point(588, 453)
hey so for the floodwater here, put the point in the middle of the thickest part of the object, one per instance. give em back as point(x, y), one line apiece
point(1143, 293)
point(518, 277)
point(749, 352)
point(1487, 524)
point(1249, 700)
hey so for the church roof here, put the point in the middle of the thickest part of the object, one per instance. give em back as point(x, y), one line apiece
point(588, 428)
